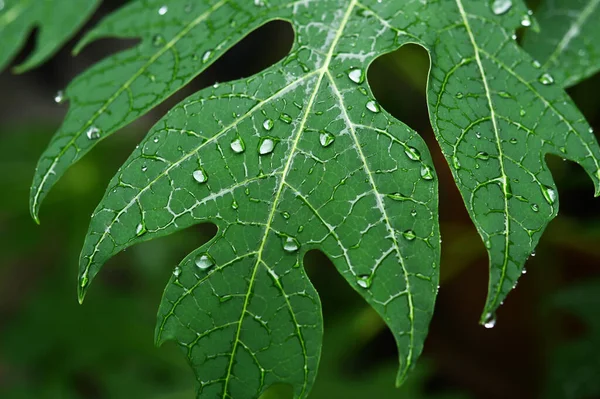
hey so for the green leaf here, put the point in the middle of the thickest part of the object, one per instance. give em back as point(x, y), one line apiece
point(567, 43)
point(57, 21)
point(302, 157)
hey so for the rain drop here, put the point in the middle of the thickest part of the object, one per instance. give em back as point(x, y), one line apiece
point(59, 97)
point(290, 244)
point(363, 281)
point(266, 146)
point(500, 7)
point(93, 133)
point(200, 176)
point(549, 194)
point(535, 208)
point(455, 162)
point(163, 10)
point(426, 172)
point(268, 124)
point(409, 235)
point(484, 156)
point(546, 79)
point(177, 272)
point(526, 21)
point(286, 118)
point(237, 145)
point(412, 153)
point(373, 106)
point(140, 230)
point(204, 261)
point(234, 205)
point(206, 56)
point(356, 75)
point(459, 95)
point(326, 138)
point(490, 320)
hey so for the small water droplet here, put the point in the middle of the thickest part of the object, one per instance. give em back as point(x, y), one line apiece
point(84, 281)
point(93, 133)
point(488, 244)
point(524, 271)
point(526, 21)
point(268, 124)
point(535, 208)
point(455, 162)
point(533, 253)
point(522, 112)
point(206, 56)
point(373, 106)
point(290, 244)
point(59, 97)
point(409, 235)
point(234, 205)
point(412, 153)
point(413, 213)
point(490, 320)
point(177, 272)
point(163, 10)
point(200, 176)
point(500, 7)
point(459, 95)
point(326, 138)
point(549, 194)
point(504, 94)
point(285, 214)
point(546, 79)
point(536, 64)
point(140, 230)
point(158, 40)
point(426, 172)
point(356, 75)
point(237, 145)
point(363, 281)
point(204, 261)
point(266, 146)
point(484, 156)
point(286, 118)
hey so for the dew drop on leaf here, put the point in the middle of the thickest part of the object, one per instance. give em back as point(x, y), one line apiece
point(268, 124)
point(535, 208)
point(455, 162)
point(363, 281)
point(204, 261)
point(286, 118)
point(484, 156)
point(290, 244)
point(526, 21)
point(140, 230)
point(549, 194)
point(163, 10)
point(373, 106)
point(326, 139)
point(500, 7)
point(546, 79)
point(409, 235)
point(426, 172)
point(206, 56)
point(356, 75)
point(234, 205)
point(490, 320)
point(177, 272)
point(266, 146)
point(237, 145)
point(59, 97)
point(93, 133)
point(200, 176)
point(459, 95)
point(412, 153)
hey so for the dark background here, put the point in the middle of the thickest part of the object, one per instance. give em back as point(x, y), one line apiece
point(51, 347)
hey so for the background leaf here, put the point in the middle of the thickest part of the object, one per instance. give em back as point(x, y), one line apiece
point(567, 42)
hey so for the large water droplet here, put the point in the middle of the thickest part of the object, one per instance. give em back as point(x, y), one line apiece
point(140, 230)
point(373, 106)
point(549, 194)
point(500, 7)
point(409, 235)
point(326, 138)
point(426, 172)
point(412, 153)
point(237, 145)
point(268, 124)
point(204, 261)
point(290, 244)
point(200, 176)
point(93, 133)
point(490, 320)
point(357, 75)
point(363, 281)
point(546, 79)
point(266, 146)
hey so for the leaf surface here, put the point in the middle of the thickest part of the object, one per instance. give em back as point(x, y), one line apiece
point(567, 43)
point(302, 157)
point(57, 21)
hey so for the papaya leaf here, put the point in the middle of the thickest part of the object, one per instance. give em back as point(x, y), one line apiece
point(57, 21)
point(302, 157)
point(567, 43)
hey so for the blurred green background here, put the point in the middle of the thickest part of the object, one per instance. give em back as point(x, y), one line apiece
point(546, 342)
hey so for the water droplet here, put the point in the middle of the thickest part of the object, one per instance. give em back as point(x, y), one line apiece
point(140, 230)
point(504, 94)
point(206, 56)
point(484, 156)
point(200, 176)
point(536, 64)
point(455, 162)
point(177, 272)
point(546, 79)
point(326, 138)
point(285, 214)
point(535, 208)
point(93, 133)
point(204, 261)
point(490, 320)
point(266, 146)
point(234, 205)
point(373, 106)
point(237, 145)
point(426, 172)
point(290, 244)
point(163, 10)
point(412, 153)
point(356, 75)
point(488, 244)
point(286, 118)
point(413, 213)
point(459, 95)
point(84, 281)
point(268, 124)
point(409, 235)
point(363, 281)
point(500, 7)
point(158, 40)
point(59, 97)
point(524, 271)
point(533, 253)
point(526, 21)
point(549, 194)
point(522, 112)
